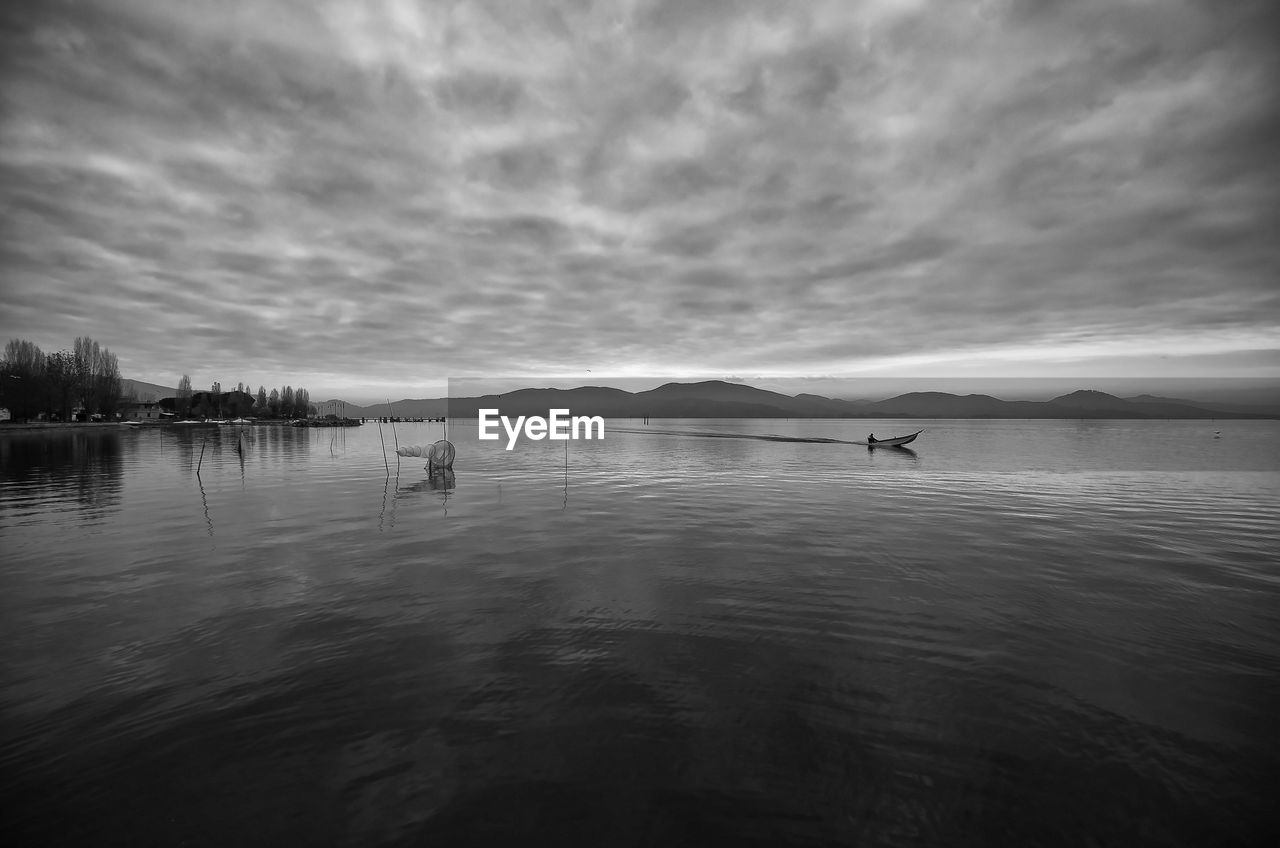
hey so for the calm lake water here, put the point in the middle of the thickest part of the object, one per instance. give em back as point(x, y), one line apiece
point(1021, 633)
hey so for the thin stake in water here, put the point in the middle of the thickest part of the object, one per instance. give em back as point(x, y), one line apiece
point(384, 450)
point(392, 419)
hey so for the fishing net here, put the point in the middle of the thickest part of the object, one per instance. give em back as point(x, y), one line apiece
point(441, 454)
point(438, 455)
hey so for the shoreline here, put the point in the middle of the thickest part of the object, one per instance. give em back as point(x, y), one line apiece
point(41, 426)
point(59, 426)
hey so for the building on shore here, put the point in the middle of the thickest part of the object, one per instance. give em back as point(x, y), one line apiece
point(142, 411)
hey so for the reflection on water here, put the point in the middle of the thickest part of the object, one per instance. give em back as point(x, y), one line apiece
point(204, 501)
point(81, 467)
point(209, 446)
point(443, 481)
point(707, 433)
point(440, 481)
point(902, 452)
point(1012, 633)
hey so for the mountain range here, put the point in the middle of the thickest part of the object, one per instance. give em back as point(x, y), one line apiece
point(718, 399)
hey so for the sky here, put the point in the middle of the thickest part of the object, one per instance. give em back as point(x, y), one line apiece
point(367, 199)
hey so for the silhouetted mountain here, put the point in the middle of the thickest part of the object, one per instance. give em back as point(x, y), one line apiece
point(719, 399)
point(1157, 399)
point(942, 404)
point(835, 406)
point(1262, 410)
point(145, 391)
point(1093, 404)
point(584, 400)
point(1090, 399)
point(717, 390)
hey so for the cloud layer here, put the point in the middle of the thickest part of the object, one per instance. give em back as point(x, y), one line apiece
point(355, 195)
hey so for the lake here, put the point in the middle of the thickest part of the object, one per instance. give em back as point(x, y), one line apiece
point(1020, 633)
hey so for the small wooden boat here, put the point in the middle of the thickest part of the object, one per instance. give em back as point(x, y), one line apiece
point(895, 442)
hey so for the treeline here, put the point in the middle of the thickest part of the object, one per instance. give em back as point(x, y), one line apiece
point(239, 402)
point(84, 380)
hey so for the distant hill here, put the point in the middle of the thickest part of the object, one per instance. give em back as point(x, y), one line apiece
point(1079, 404)
point(944, 405)
point(719, 399)
point(1093, 404)
point(1264, 410)
point(146, 391)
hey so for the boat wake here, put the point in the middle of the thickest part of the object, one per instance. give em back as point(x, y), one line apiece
point(710, 434)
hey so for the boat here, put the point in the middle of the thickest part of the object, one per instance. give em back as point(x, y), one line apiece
point(895, 442)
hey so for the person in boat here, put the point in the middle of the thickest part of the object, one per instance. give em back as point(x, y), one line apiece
point(871, 438)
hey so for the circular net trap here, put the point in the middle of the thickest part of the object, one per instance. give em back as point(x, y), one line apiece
point(438, 455)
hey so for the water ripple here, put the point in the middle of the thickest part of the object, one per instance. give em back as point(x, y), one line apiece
point(1027, 633)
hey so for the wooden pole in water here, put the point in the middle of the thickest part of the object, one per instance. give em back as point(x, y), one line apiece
point(384, 450)
point(202, 445)
point(392, 418)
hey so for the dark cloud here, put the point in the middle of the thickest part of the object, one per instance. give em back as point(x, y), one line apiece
point(309, 190)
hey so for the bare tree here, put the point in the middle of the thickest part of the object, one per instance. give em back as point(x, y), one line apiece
point(97, 376)
point(107, 383)
point(22, 379)
point(184, 396)
point(61, 383)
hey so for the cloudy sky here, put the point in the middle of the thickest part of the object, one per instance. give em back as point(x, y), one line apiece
point(366, 198)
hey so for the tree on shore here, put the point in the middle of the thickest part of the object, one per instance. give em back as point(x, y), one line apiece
point(32, 382)
point(97, 373)
point(22, 379)
point(60, 381)
point(88, 376)
point(183, 399)
point(286, 403)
